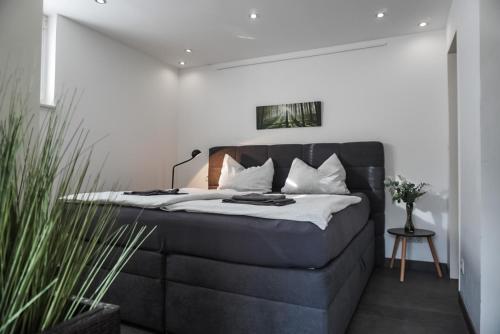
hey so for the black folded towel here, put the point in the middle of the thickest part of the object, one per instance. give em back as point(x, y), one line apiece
point(155, 192)
point(256, 197)
point(260, 199)
point(271, 202)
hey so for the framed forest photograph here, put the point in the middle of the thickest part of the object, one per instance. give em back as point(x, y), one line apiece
point(294, 115)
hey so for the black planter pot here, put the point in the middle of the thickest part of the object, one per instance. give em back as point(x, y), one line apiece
point(104, 319)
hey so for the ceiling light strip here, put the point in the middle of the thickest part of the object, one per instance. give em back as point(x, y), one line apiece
point(297, 55)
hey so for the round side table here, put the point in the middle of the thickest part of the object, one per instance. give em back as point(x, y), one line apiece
point(401, 234)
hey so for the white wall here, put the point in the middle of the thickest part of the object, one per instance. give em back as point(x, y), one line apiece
point(464, 21)
point(20, 41)
point(395, 94)
point(490, 164)
point(126, 96)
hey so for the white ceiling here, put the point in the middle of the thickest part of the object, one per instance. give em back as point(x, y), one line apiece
point(165, 28)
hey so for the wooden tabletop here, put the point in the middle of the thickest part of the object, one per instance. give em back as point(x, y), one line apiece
point(419, 233)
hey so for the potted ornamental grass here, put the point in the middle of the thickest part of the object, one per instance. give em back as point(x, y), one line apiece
point(403, 190)
point(51, 257)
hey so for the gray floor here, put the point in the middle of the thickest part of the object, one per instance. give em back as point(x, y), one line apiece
point(422, 304)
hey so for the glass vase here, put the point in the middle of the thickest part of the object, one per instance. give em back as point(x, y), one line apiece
point(409, 227)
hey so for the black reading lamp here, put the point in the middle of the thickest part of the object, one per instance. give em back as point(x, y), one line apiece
point(193, 155)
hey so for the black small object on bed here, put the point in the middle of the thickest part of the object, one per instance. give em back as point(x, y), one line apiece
point(260, 199)
point(156, 192)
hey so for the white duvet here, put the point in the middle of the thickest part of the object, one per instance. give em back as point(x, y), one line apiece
point(316, 209)
point(152, 202)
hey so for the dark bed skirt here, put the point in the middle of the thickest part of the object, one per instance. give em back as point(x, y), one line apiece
point(186, 294)
point(198, 310)
point(141, 300)
point(242, 299)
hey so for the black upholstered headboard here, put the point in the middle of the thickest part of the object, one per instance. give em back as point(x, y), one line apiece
point(363, 162)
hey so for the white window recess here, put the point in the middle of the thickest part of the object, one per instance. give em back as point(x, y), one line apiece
point(47, 65)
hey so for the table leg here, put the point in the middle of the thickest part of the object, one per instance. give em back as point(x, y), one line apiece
point(435, 257)
point(403, 261)
point(394, 251)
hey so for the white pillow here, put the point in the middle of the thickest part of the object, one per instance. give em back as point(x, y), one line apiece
point(235, 176)
point(329, 178)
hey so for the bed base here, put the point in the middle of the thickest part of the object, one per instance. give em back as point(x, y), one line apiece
point(242, 299)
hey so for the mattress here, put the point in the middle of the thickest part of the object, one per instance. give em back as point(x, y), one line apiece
point(250, 240)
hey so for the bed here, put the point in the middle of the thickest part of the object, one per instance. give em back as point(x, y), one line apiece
point(212, 273)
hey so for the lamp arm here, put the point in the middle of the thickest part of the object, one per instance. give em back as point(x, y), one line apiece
point(173, 169)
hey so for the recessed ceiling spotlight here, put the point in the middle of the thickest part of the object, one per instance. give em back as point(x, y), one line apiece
point(101, 2)
point(188, 51)
point(422, 24)
point(182, 63)
point(253, 16)
point(251, 38)
point(380, 15)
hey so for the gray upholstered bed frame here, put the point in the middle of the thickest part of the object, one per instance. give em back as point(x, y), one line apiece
point(363, 162)
point(175, 292)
